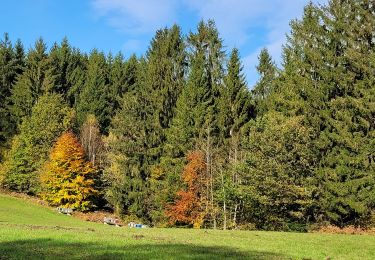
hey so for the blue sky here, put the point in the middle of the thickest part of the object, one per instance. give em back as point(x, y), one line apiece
point(128, 25)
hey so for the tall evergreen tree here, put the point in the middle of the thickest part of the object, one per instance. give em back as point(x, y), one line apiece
point(128, 150)
point(236, 108)
point(329, 66)
point(61, 64)
point(149, 109)
point(11, 65)
point(75, 76)
point(165, 79)
point(195, 126)
point(94, 97)
point(19, 58)
point(196, 106)
point(32, 83)
point(130, 75)
point(117, 80)
point(268, 73)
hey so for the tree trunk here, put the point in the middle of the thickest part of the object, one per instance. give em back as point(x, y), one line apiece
point(224, 202)
point(235, 215)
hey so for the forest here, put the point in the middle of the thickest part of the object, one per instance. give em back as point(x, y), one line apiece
point(177, 138)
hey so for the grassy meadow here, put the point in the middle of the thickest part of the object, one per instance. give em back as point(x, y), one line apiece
point(31, 231)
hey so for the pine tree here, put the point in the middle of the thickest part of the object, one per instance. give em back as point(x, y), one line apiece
point(11, 65)
point(235, 110)
point(94, 95)
point(117, 81)
point(328, 72)
point(75, 76)
point(127, 151)
point(32, 83)
point(67, 179)
point(166, 65)
point(195, 125)
point(266, 84)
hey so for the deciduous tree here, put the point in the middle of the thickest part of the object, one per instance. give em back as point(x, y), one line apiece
point(191, 206)
point(67, 179)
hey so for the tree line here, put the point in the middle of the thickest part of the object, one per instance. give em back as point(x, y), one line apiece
point(176, 137)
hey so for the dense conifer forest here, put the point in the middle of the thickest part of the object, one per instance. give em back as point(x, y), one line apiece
point(176, 137)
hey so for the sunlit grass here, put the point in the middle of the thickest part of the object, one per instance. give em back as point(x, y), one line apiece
point(29, 231)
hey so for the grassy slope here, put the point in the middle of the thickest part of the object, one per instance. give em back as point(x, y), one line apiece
point(30, 231)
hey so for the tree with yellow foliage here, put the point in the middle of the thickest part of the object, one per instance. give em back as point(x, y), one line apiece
point(67, 179)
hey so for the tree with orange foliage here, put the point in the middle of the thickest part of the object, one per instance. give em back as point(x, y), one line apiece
point(190, 207)
point(68, 180)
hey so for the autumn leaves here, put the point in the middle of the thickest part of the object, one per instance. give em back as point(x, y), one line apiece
point(68, 179)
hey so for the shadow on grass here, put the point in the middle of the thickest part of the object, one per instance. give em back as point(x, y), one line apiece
point(56, 249)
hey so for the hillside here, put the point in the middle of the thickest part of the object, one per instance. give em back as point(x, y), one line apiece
point(32, 231)
point(177, 136)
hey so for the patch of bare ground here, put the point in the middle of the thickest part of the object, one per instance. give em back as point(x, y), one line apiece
point(351, 230)
point(96, 216)
point(40, 227)
point(26, 197)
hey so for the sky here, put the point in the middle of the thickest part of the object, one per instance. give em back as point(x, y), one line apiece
point(129, 25)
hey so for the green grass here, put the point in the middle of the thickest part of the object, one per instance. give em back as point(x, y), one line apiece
point(29, 231)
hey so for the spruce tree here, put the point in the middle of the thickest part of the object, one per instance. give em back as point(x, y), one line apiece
point(32, 83)
point(328, 71)
point(61, 63)
point(166, 66)
point(117, 81)
point(195, 111)
point(347, 169)
point(195, 126)
point(266, 84)
point(128, 152)
point(145, 113)
point(130, 75)
point(236, 108)
point(75, 76)
point(94, 95)
point(11, 65)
